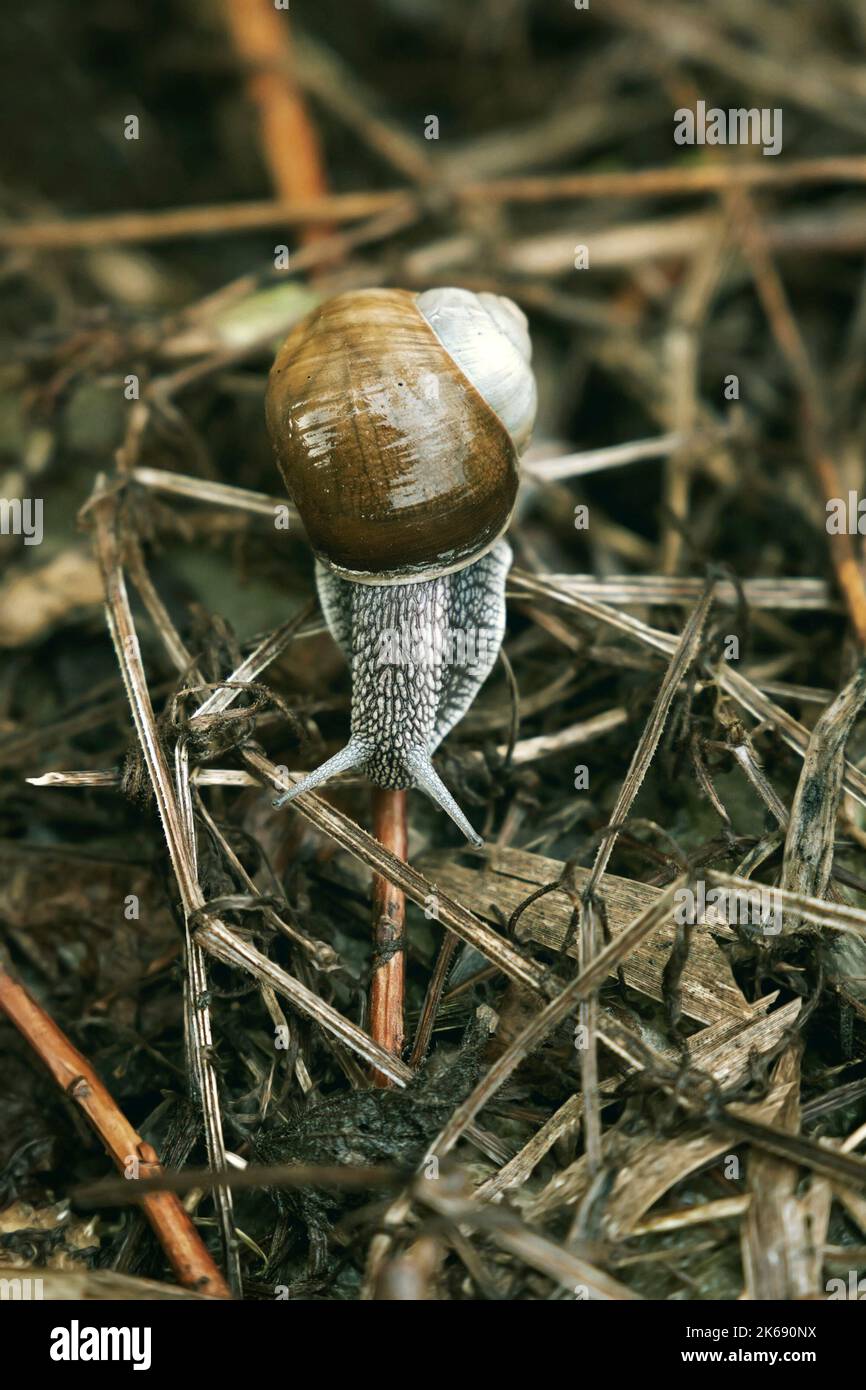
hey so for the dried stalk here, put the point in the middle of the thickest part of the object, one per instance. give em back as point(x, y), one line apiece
point(224, 219)
point(180, 833)
point(745, 692)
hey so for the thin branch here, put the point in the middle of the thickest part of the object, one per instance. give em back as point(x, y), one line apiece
point(388, 976)
point(76, 1078)
point(224, 218)
point(262, 40)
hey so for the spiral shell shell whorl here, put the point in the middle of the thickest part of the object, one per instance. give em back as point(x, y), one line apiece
point(397, 421)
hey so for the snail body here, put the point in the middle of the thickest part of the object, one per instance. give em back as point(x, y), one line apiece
point(397, 421)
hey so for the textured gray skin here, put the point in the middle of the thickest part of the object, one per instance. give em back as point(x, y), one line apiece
point(402, 708)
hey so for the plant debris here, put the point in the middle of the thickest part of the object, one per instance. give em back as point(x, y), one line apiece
point(634, 1024)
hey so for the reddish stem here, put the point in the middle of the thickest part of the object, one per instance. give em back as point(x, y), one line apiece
point(178, 1237)
point(262, 40)
point(387, 984)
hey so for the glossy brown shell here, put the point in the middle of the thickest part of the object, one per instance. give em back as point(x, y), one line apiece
point(398, 467)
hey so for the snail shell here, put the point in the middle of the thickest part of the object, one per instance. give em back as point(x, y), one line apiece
point(397, 420)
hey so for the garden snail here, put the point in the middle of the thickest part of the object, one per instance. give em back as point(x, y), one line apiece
point(397, 420)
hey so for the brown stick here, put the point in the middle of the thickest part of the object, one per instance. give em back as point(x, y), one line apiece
point(387, 983)
point(221, 218)
point(261, 37)
point(433, 998)
point(173, 1228)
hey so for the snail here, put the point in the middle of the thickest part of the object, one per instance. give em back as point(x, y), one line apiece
point(397, 420)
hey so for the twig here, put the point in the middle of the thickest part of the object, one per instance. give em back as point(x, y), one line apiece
point(110, 1192)
point(252, 666)
point(217, 494)
point(551, 469)
point(523, 970)
point(651, 590)
point(75, 1076)
point(177, 822)
point(745, 692)
point(387, 981)
point(808, 859)
point(261, 36)
point(435, 986)
point(589, 937)
point(625, 244)
point(350, 836)
point(588, 908)
point(682, 658)
point(524, 753)
point(554, 1013)
point(507, 1231)
point(223, 218)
